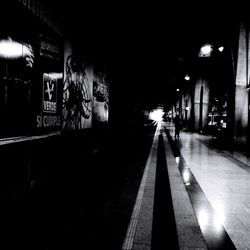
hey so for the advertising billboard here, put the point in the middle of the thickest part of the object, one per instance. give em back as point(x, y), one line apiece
point(31, 69)
point(100, 99)
point(77, 92)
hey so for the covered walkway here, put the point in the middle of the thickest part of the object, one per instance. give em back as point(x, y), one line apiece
point(209, 195)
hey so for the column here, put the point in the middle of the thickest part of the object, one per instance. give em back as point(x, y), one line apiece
point(241, 94)
point(201, 103)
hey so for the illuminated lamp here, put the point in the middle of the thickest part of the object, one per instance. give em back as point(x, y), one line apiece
point(156, 115)
point(206, 50)
point(221, 48)
point(11, 49)
point(56, 75)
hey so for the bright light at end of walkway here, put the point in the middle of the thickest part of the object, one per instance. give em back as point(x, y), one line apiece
point(177, 90)
point(187, 77)
point(156, 115)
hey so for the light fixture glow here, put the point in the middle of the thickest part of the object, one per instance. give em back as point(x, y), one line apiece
point(177, 90)
point(206, 50)
point(187, 78)
point(11, 49)
point(221, 48)
point(56, 75)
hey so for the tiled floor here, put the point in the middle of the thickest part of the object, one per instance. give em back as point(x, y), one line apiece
point(225, 184)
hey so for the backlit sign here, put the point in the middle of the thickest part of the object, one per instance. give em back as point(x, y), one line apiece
point(49, 94)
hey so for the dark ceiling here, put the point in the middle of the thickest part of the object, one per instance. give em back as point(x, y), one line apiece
point(145, 46)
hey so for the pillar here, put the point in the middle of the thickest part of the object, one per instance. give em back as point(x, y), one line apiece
point(201, 103)
point(241, 94)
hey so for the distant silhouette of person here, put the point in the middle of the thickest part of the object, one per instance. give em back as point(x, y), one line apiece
point(177, 123)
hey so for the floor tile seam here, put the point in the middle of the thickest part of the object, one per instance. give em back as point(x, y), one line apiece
point(137, 208)
point(227, 154)
point(231, 234)
point(131, 230)
point(140, 246)
point(246, 204)
point(237, 216)
point(243, 153)
point(199, 183)
point(233, 166)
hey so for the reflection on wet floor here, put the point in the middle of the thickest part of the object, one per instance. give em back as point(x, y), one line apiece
point(210, 222)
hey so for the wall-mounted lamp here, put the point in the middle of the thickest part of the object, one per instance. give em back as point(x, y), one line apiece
point(177, 90)
point(187, 77)
point(13, 50)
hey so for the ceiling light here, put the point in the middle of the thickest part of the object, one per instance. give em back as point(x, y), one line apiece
point(206, 50)
point(221, 48)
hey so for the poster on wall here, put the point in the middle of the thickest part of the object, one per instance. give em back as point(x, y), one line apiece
point(16, 76)
point(77, 92)
point(31, 69)
point(51, 78)
point(50, 116)
point(49, 93)
point(100, 99)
